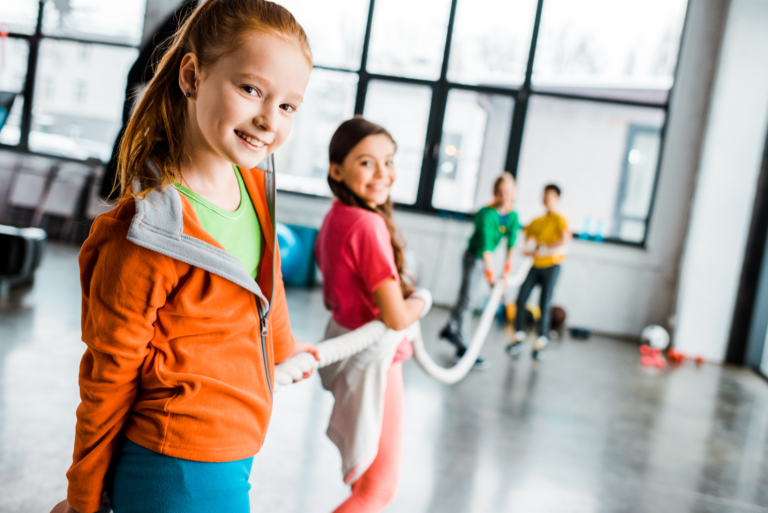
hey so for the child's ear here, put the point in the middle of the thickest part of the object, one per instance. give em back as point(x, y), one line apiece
point(334, 171)
point(189, 74)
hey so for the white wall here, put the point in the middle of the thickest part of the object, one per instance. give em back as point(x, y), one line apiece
point(725, 189)
point(609, 288)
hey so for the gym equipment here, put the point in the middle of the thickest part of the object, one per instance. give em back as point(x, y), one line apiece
point(652, 357)
point(338, 348)
point(532, 312)
point(558, 318)
point(501, 313)
point(297, 254)
point(580, 333)
point(304, 273)
point(290, 250)
point(655, 336)
point(511, 309)
point(21, 250)
point(677, 358)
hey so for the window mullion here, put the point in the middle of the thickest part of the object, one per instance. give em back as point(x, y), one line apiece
point(362, 82)
point(435, 127)
point(29, 82)
point(521, 104)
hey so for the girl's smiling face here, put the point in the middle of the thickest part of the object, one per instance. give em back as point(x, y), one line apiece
point(368, 170)
point(241, 106)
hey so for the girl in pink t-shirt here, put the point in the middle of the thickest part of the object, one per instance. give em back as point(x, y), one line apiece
point(361, 259)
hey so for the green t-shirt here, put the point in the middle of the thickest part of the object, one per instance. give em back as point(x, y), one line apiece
point(238, 232)
point(489, 230)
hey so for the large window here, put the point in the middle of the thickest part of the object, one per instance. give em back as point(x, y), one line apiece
point(67, 63)
point(553, 91)
point(603, 157)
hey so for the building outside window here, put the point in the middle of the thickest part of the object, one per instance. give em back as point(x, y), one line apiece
point(81, 91)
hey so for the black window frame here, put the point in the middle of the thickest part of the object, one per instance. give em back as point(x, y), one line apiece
point(30, 82)
point(440, 90)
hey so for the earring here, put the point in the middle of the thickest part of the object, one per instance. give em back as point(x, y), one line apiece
point(187, 95)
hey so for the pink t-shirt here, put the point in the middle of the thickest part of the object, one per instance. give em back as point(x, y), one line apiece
point(354, 253)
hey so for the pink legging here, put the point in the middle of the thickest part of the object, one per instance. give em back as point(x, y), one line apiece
point(378, 485)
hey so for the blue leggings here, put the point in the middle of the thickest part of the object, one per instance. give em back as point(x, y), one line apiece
point(145, 481)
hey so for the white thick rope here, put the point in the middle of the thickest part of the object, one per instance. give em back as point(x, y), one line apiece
point(344, 346)
point(464, 365)
point(336, 349)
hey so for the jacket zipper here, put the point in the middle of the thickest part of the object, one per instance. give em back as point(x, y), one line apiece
point(270, 191)
point(264, 331)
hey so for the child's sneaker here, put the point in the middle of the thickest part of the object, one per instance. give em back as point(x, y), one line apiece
point(539, 348)
point(514, 349)
point(516, 346)
point(480, 364)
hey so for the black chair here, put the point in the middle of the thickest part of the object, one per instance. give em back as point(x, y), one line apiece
point(21, 250)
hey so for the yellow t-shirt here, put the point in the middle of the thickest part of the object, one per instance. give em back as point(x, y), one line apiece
point(546, 229)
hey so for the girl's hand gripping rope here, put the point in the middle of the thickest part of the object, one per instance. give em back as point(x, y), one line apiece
point(303, 346)
point(426, 296)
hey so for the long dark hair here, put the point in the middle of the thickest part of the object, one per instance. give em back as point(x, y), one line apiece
point(347, 136)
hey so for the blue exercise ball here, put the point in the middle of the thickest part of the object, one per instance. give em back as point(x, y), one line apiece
point(291, 250)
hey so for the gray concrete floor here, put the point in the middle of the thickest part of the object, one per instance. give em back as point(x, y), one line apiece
point(585, 431)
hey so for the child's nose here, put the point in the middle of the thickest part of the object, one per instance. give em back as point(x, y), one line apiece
point(266, 119)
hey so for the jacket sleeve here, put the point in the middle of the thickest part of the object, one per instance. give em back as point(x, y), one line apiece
point(280, 323)
point(123, 285)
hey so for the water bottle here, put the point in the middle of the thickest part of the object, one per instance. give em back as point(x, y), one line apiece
point(598, 237)
point(585, 231)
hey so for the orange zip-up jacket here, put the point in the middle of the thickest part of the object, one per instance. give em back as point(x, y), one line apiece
point(177, 359)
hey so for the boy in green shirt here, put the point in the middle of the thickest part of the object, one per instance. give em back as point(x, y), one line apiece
point(492, 223)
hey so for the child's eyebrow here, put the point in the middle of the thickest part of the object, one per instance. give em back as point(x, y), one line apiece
point(253, 76)
point(365, 155)
point(297, 97)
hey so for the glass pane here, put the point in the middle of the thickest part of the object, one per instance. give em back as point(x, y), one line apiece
point(302, 162)
point(19, 15)
point(115, 22)
point(491, 50)
point(408, 38)
point(79, 94)
point(403, 110)
point(603, 157)
point(13, 74)
point(606, 48)
point(11, 132)
point(764, 363)
point(473, 149)
point(336, 29)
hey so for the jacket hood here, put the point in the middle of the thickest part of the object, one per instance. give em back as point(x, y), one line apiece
point(159, 225)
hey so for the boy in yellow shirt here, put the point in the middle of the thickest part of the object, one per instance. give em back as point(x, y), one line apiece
point(552, 235)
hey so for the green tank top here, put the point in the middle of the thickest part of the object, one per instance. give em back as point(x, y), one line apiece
point(238, 232)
